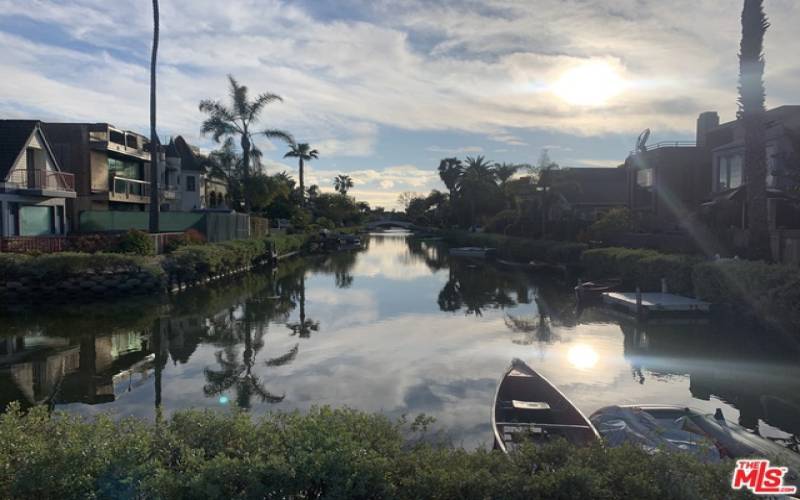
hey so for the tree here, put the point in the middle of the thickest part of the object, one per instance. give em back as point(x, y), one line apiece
point(405, 198)
point(505, 171)
point(342, 183)
point(476, 183)
point(450, 170)
point(303, 153)
point(154, 146)
point(752, 113)
point(238, 120)
point(542, 175)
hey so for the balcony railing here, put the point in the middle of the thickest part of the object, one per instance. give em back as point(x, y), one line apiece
point(45, 180)
point(122, 188)
point(667, 144)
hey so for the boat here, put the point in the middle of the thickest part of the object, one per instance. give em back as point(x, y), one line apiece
point(532, 266)
point(594, 290)
point(528, 406)
point(709, 437)
point(474, 252)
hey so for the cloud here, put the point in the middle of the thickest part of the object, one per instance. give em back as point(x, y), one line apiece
point(454, 151)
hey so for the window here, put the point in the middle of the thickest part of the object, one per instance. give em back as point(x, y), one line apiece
point(644, 178)
point(35, 221)
point(191, 185)
point(127, 169)
point(730, 172)
point(117, 137)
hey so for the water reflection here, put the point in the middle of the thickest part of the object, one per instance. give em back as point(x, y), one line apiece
point(399, 328)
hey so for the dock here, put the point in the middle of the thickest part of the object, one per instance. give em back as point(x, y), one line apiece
point(655, 303)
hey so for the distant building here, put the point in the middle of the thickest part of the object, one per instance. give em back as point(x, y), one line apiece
point(198, 188)
point(33, 188)
point(590, 192)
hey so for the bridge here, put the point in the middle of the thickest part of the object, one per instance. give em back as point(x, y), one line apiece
point(387, 223)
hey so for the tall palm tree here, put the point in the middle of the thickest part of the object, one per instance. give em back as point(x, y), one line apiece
point(303, 153)
point(752, 111)
point(239, 120)
point(154, 146)
point(342, 183)
point(505, 171)
point(304, 327)
point(477, 180)
point(450, 169)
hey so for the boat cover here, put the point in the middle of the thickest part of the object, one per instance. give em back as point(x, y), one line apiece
point(619, 426)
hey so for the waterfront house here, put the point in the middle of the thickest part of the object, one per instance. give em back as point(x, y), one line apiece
point(594, 190)
point(33, 188)
point(111, 166)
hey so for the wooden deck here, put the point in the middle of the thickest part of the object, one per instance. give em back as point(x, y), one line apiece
point(656, 303)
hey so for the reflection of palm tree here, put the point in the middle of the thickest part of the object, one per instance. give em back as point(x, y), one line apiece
point(304, 327)
point(239, 375)
point(535, 329)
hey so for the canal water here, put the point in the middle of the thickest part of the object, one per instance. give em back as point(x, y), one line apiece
point(398, 328)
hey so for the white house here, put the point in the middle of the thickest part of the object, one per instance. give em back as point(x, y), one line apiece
point(33, 189)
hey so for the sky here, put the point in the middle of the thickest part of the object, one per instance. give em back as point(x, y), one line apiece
point(385, 89)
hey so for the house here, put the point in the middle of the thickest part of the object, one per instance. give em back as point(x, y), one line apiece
point(198, 188)
point(668, 181)
point(590, 192)
point(33, 188)
point(728, 177)
point(110, 165)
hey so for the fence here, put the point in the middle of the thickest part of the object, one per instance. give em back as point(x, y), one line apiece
point(25, 244)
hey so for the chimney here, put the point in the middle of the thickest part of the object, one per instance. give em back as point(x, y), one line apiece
point(705, 122)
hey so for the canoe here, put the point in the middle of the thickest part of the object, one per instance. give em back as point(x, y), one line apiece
point(709, 437)
point(528, 407)
point(473, 252)
point(594, 290)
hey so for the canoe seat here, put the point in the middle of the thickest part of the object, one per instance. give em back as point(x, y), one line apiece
point(529, 405)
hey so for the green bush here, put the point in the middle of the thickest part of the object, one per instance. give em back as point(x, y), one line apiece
point(616, 220)
point(325, 223)
point(136, 242)
point(326, 453)
point(769, 292)
point(287, 243)
point(643, 268)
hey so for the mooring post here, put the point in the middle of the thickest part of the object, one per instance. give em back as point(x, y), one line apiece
point(664, 285)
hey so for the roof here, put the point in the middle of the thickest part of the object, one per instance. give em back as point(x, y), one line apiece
point(14, 135)
point(772, 115)
point(595, 186)
point(187, 154)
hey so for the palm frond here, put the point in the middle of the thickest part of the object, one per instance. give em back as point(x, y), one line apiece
point(256, 106)
point(286, 358)
point(278, 134)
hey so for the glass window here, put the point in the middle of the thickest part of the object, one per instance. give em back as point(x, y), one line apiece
point(117, 137)
point(734, 171)
point(191, 183)
point(35, 221)
point(127, 169)
point(644, 178)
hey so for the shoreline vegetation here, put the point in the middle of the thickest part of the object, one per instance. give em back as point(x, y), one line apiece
point(321, 453)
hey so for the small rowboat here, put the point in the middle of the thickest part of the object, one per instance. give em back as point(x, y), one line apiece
point(594, 290)
point(528, 406)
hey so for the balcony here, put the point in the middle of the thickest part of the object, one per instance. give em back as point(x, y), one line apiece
point(169, 193)
point(43, 183)
point(128, 190)
point(666, 144)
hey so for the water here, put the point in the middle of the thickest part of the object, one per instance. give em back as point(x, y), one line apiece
point(398, 328)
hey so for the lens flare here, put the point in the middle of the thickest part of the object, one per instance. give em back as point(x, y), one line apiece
point(591, 84)
point(582, 356)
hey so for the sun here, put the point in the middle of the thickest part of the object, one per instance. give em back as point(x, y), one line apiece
point(590, 84)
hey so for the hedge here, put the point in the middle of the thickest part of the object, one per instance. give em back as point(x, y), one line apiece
point(769, 292)
point(643, 268)
point(325, 453)
point(520, 249)
point(15, 267)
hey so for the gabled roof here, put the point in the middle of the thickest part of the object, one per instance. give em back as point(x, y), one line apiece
point(190, 160)
point(14, 135)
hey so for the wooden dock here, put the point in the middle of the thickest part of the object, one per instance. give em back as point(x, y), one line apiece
point(655, 303)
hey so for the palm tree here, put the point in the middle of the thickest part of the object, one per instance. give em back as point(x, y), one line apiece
point(303, 153)
point(450, 169)
point(505, 171)
point(342, 183)
point(476, 181)
point(304, 327)
point(238, 120)
point(154, 147)
point(752, 111)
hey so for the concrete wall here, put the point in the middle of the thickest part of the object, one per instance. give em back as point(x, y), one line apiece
point(95, 221)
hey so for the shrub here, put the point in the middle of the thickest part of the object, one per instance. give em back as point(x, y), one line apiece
point(325, 453)
point(616, 220)
point(520, 249)
point(136, 242)
point(643, 268)
point(325, 223)
point(769, 292)
point(190, 237)
point(66, 264)
point(301, 218)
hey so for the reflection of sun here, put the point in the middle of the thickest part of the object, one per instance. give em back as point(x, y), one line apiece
point(591, 84)
point(582, 356)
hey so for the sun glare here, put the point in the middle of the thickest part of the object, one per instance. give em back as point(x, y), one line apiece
point(582, 356)
point(591, 84)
